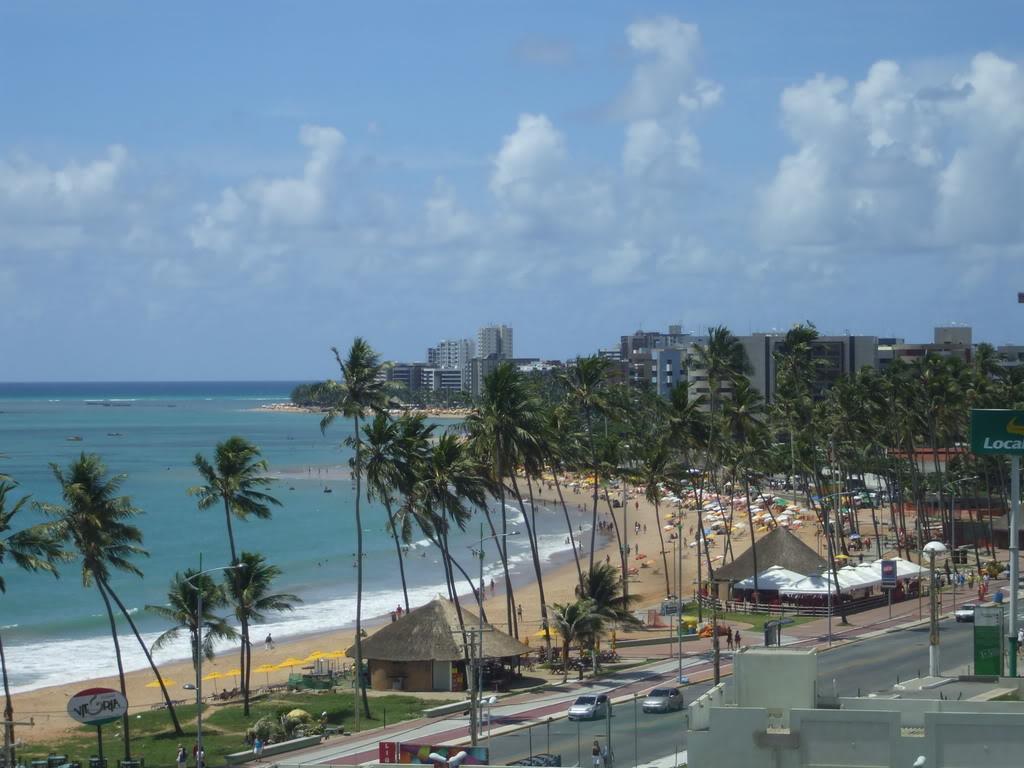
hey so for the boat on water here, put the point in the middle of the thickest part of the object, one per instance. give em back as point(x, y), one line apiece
point(328, 490)
point(74, 438)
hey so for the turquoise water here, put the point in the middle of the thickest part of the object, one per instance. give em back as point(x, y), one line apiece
point(150, 432)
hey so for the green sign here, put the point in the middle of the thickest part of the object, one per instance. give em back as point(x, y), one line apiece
point(988, 640)
point(997, 431)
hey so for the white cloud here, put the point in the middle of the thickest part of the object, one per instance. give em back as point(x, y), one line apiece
point(446, 220)
point(270, 205)
point(663, 95)
point(900, 161)
point(74, 188)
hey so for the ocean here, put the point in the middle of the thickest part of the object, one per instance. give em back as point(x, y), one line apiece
point(150, 432)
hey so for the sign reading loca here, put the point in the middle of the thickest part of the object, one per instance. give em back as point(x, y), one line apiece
point(96, 706)
point(997, 431)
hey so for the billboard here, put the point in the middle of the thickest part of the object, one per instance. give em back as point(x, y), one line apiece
point(997, 431)
point(97, 706)
point(888, 574)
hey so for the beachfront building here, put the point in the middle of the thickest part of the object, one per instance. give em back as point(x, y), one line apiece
point(778, 548)
point(451, 354)
point(496, 341)
point(947, 341)
point(423, 650)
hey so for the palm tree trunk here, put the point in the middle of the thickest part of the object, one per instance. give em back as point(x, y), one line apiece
point(149, 657)
point(568, 527)
point(8, 708)
point(504, 561)
point(753, 539)
point(531, 535)
point(502, 542)
point(398, 551)
point(618, 537)
point(246, 650)
point(661, 538)
point(231, 533)
point(120, 668)
point(593, 468)
point(359, 571)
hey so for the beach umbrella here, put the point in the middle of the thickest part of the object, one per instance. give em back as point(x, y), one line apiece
point(316, 655)
point(540, 633)
point(156, 683)
point(266, 669)
point(290, 662)
point(214, 676)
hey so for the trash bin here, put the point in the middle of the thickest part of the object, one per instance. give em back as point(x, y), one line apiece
point(140, 763)
point(56, 760)
point(95, 762)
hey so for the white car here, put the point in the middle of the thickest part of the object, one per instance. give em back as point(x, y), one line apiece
point(590, 707)
point(964, 613)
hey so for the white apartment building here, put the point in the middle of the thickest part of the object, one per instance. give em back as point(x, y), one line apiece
point(451, 354)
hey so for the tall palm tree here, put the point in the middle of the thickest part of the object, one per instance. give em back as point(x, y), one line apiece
point(236, 478)
point(32, 549)
point(586, 392)
point(395, 449)
point(249, 589)
point(94, 521)
point(574, 622)
point(362, 390)
point(503, 429)
point(656, 467)
point(182, 611)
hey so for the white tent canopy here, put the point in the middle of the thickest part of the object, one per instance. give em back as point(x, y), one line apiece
point(774, 579)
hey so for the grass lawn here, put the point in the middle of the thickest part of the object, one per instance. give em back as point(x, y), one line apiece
point(152, 736)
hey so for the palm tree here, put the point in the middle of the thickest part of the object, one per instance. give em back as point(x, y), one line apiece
point(236, 479)
point(94, 521)
point(249, 590)
point(394, 451)
point(32, 549)
point(656, 468)
point(586, 383)
point(361, 390)
point(182, 611)
point(574, 622)
point(504, 429)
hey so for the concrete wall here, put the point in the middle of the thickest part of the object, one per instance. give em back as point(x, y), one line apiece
point(739, 738)
point(778, 679)
point(700, 708)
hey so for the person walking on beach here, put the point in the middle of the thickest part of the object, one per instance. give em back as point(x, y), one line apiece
point(492, 587)
point(269, 642)
point(519, 612)
point(182, 759)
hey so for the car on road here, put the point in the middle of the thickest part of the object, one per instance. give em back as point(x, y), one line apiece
point(965, 612)
point(663, 700)
point(590, 707)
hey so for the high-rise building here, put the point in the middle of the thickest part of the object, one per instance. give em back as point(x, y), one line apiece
point(451, 354)
point(496, 341)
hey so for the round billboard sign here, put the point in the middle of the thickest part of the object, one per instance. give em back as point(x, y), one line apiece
point(96, 706)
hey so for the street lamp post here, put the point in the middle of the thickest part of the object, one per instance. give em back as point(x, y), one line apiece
point(474, 711)
point(200, 761)
point(933, 548)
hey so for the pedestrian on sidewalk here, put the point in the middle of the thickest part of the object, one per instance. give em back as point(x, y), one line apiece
point(595, 753)
point(736, 640)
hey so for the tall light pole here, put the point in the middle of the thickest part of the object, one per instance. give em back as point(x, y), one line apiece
point(474, 713)
point(933, 548)
point(199, 654)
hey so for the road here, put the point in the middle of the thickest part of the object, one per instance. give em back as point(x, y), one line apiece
point(863, 667)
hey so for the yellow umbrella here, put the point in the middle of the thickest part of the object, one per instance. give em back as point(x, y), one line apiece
point(290, 662)
point(334, 655)
point(267, 669)
point(316, 655)
point(156, 683)
point(214, 676)
point(542, 633)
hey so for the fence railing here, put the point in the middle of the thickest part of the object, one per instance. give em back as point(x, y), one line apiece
point(774, 609)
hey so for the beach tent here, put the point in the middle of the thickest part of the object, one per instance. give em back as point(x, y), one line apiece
point(774, 579)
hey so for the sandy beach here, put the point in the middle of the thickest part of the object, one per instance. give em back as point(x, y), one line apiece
point(47, 705)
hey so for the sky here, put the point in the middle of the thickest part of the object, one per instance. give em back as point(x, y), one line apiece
point(197, 191)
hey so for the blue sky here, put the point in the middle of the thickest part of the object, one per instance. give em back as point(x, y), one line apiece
point(222, 191)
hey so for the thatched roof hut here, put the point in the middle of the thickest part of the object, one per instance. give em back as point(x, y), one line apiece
point(780, 547)
point(423, 650)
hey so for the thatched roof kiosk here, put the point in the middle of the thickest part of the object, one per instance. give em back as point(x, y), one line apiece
point(423, 650)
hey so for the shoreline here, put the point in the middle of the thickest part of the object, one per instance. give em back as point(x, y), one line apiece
point(46, 705)
point(430, 413)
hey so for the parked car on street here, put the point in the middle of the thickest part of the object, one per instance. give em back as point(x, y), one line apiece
point(590, 707)
point(964, 613)
point(663, 700)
